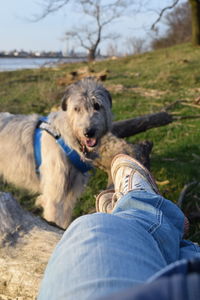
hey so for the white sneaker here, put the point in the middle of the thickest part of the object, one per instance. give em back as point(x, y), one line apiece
point(104, 201)
point(128, 174)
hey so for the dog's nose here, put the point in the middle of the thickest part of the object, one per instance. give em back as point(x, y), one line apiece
point(90, 132)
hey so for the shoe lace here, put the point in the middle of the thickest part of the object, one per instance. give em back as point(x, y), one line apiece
point(126, 184)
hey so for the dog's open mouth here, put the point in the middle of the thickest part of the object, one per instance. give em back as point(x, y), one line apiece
point(91, 142)
point(88, 145)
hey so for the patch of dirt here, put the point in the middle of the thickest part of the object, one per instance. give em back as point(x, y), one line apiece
point(80, 74)
point(149, 92)
point(119, 88)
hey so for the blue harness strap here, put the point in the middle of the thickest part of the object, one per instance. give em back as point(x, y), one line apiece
point(37, 144)
point(73, 156)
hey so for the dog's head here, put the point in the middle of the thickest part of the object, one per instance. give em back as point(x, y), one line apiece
point(87, 105)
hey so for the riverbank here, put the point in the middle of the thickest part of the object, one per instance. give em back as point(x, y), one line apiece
point(20, 63)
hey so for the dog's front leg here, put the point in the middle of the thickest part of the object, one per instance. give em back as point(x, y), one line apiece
point(60, 190)
point(54, 189)
point(61, 184)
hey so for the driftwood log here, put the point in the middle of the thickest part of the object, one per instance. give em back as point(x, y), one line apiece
point(127, 128)
point(27, 241)
point(113, 143)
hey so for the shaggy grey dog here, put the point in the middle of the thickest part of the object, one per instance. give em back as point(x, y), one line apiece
point(84, 117)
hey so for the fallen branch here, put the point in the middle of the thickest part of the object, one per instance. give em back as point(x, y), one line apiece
point(130, 127)
point(133, 126)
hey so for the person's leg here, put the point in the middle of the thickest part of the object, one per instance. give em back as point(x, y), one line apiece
point(103, 253)
point(189, 250)
point(100, 254)
point(145, 198)
point(167, 231)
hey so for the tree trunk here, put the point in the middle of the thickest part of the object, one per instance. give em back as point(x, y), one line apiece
point(91, 55)
point(195, 9)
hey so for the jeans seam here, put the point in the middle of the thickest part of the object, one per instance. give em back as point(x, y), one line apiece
point(154, 227)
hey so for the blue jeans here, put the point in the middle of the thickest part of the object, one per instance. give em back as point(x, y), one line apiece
point(104, 253)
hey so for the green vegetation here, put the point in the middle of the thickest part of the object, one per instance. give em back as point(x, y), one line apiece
point(139, 85)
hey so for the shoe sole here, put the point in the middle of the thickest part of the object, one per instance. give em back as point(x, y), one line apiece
point(127, 161)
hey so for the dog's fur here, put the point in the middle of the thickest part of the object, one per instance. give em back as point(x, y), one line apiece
point(84, 117)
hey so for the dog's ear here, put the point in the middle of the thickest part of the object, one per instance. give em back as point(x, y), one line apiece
point(65, 98)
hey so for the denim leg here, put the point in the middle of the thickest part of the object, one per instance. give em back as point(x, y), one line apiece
point(189, 250)
point(98, 255)
point(103, 253)
point(168, 232)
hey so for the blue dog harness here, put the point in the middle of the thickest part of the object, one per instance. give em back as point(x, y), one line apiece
point(73, 156)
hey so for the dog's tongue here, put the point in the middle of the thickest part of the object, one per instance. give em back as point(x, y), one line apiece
point(91, 142)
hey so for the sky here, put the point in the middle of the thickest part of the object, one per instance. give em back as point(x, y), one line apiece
point(17, 31)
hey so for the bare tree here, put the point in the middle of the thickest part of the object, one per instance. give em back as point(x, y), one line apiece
point(49, 7)
point(175, 2)
point(136, 45)
point(179, 29)
point(195, 17)
point(195, 10)
point(89, 35)
point(100, 15)
point(112, 49)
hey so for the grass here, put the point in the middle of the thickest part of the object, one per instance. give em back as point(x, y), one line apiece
point(139, 85)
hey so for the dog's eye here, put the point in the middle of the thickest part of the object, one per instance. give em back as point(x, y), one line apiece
point(77, 109)
point(96, 106)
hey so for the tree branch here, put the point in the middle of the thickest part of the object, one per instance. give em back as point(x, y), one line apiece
point(50, 7)
point(162, 12)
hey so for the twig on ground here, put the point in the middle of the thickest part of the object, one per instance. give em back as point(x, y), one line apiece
point(183, 193)
point(177, 118)
point(190, 104)
point(182, 102)
point(173, 104)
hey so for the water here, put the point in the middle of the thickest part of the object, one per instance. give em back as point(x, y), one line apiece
point(14, 63)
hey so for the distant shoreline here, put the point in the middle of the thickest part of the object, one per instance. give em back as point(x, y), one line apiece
point(38, 57)
point(13, 63)
point(18, 63)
